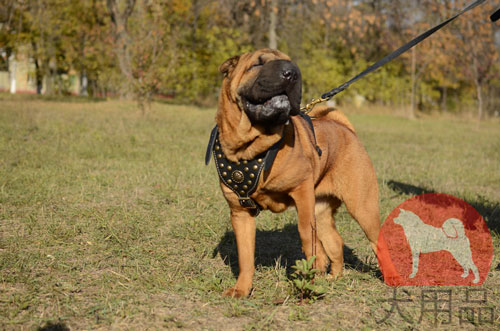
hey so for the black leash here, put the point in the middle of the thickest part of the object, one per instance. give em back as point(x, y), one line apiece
point(495, 16)
point(327, 96)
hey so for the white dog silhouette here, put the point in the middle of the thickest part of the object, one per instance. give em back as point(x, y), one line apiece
point(425, 238)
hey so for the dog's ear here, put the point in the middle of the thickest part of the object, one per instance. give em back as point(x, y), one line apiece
point(228, 66)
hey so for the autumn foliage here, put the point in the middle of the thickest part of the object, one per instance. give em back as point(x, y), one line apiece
point(172, 48)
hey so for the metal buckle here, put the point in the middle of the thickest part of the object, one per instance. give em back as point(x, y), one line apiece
point(245, 200)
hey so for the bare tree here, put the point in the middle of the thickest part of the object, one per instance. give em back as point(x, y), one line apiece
point(120, 11)
point(477, 51)
point(273, 19)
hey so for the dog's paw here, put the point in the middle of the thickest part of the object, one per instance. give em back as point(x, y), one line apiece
point(335, 272)
point(235, 293)
point(332, 278)
point(321, 264)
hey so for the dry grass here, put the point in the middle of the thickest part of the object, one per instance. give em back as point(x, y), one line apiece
point(110, 220)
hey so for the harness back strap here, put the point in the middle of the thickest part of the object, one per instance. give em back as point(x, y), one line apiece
point(310, 123)
point(211, 142)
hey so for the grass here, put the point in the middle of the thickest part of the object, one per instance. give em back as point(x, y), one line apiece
point(110, 220)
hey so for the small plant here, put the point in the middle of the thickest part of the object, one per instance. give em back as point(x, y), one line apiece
point(303, 280)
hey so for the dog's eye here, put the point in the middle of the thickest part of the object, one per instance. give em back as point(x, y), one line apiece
point(258, 64)
point(255, 65)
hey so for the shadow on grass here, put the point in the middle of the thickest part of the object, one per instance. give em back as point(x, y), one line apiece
point(279, 248)
point(488, 210)
point(54, 326)
point(409, 189)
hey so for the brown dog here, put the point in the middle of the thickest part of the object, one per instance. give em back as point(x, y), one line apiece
point(260, 95)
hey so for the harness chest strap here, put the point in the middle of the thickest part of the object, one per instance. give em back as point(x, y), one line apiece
point(242, 177)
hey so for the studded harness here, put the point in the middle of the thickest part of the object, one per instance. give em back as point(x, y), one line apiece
point(242, 177)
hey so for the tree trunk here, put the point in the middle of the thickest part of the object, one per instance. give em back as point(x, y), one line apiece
point(122, 39)
point(84, 81)
point(411, 114)
point(444, 99)
point(84, 84)
point(13, 73)
point(273, 18)
point(51, 78)
point(38, 77)
point(479, 91)
point(478, 76)
point(38, 69)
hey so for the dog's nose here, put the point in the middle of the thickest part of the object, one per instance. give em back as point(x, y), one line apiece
point(290, 74)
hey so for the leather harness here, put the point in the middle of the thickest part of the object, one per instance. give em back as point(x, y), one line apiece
point(242, 177)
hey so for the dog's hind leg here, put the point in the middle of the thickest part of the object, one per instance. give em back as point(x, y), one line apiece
point(467, 269)
point(328, 235)
point(362, 204)
point(463, 255)
point(475, 272)
point(415, 259)
point(361, 200)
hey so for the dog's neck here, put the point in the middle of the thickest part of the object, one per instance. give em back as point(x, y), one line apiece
point(240, 140)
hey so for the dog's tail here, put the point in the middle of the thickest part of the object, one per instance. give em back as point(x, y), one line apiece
point(454, 228)
point(332, 114)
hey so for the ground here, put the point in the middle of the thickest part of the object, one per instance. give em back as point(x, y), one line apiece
point(111, 220)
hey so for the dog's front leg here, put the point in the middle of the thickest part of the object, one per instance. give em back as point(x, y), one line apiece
point(415, 258)
point(305, 201)
point(244, 230)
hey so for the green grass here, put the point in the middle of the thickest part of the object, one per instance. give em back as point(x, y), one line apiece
point(111, 220)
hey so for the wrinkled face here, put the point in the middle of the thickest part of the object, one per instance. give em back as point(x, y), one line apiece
point(265, 84)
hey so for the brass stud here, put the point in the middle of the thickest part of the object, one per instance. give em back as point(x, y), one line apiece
point(235, 187)
point(245, 187)
point(229, 181)
point(224, 174)
point(238, 176)
point(219, 156)
point(221, 165)
point(238, 163)
point(229, 168)
point(217, 148)
point(252, 175)
point(246, 169)
point(259, 160)
point(242, 192)
point(245, 162)
point(255, 167)
point(249, 182)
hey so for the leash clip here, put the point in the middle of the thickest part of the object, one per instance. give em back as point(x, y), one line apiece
point(307, 108)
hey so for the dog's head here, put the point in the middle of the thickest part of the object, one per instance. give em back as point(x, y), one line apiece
point(406, 218)
point(265, 84)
